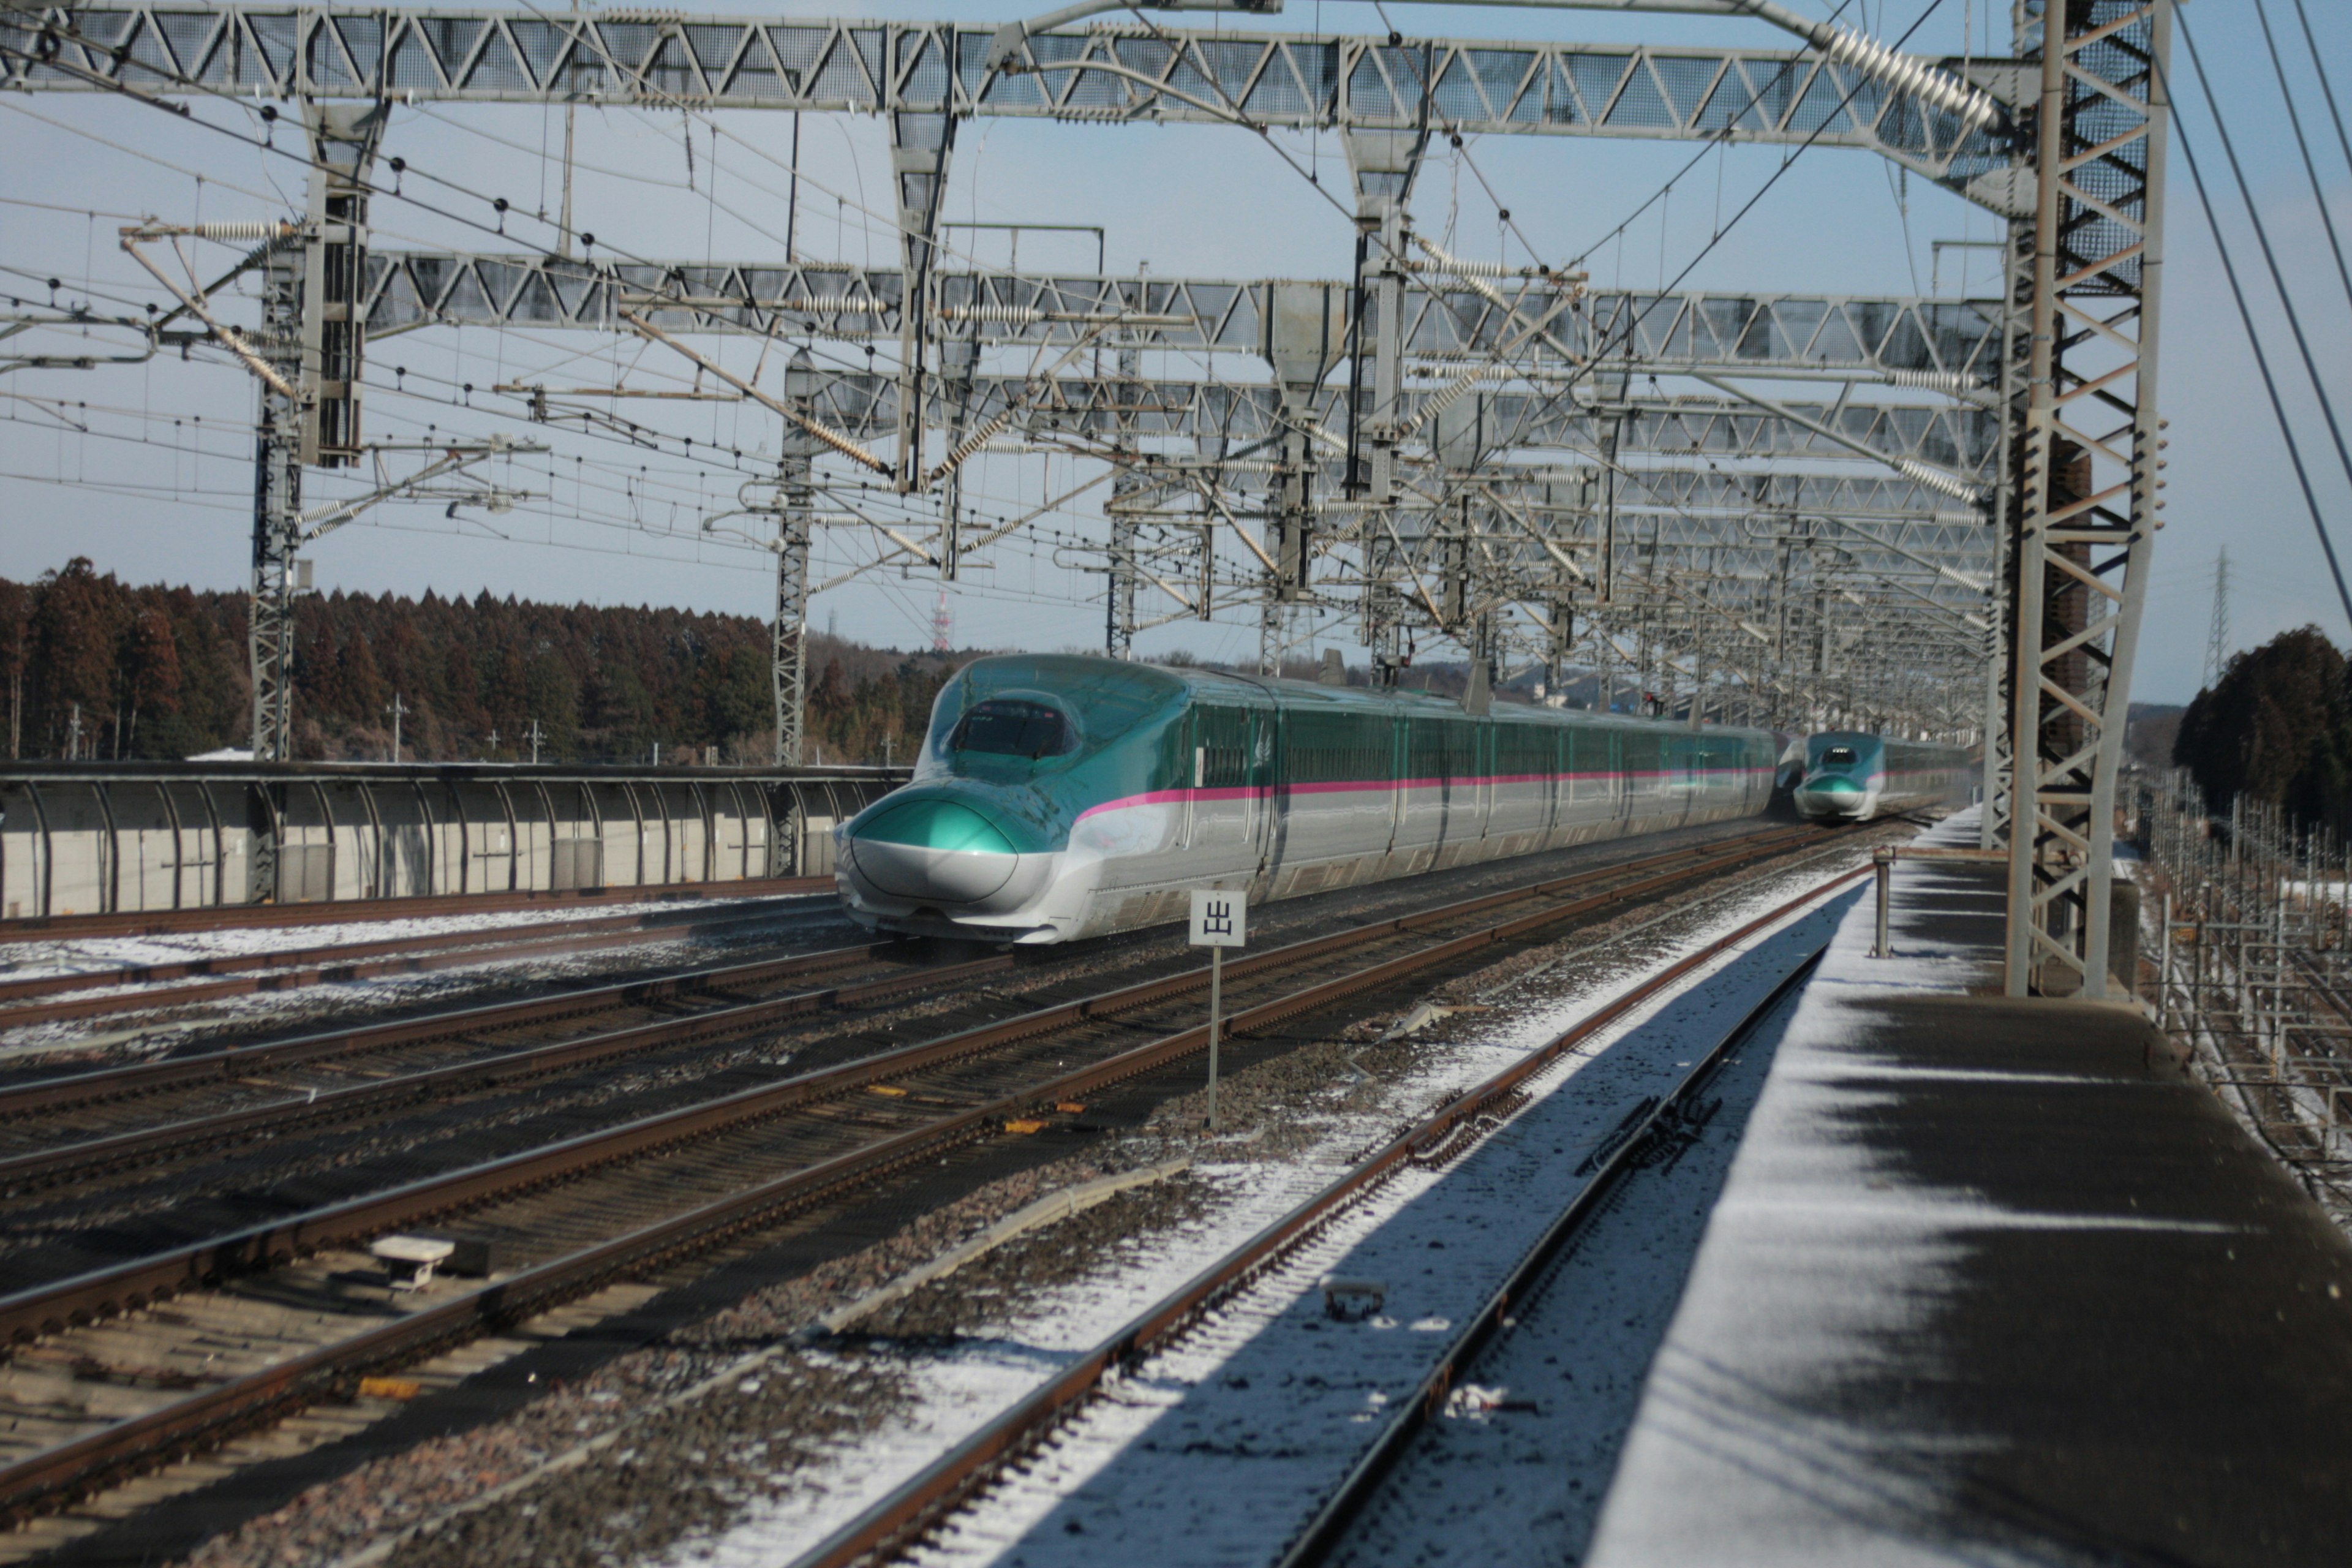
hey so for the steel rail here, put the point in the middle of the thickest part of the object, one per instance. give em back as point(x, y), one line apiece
point(243, 975)
point(82, 1158)
point(109, 1083)
point(234, 1061)
point(1408, 1416)
point(339, 912)
point(87, 1156)
point(71, 1469)
point(898, 1518)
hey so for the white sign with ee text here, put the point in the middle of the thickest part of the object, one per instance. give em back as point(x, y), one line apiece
point(1219, 917)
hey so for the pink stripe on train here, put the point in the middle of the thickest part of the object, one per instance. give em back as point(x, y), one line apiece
point(1248, 792)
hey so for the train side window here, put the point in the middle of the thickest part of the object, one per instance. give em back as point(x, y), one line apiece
point(1006, 727)
point(1426, 751)
point(1221, 758)
point(1329, 748)
point(1643, 760)
point(1461, 748)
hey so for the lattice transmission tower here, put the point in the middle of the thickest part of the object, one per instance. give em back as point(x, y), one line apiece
point(2217, 640)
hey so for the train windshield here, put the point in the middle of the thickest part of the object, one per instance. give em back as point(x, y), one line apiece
point(1838, 757)
point(1005, 728)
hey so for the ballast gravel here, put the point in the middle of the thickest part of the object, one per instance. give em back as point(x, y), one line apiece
point(336, 1520)
point(676, 1484)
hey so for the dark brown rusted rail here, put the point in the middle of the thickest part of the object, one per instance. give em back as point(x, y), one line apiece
point(115, 1083)
point(1408, 1416)
point(280, 1116)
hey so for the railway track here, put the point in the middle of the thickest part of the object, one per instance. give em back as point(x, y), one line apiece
point(901, 1518)
point(311, 1313)
point(48, 998)
point(107, 1125)
point(78, 1126)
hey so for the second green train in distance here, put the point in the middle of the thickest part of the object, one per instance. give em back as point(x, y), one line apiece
point(1850, 776)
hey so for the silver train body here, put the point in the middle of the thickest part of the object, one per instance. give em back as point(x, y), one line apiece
point(1140, 784)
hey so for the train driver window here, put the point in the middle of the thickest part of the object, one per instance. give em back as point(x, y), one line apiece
point(1005, 727)
point(1838, 757)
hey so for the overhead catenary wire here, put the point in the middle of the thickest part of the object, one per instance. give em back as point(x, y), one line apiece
point(2263, 365)
point(2302, 144)
point(1624, 340)
point(2326, 89)
point(1491, 192)
point(2270, 259)
point(267, 146)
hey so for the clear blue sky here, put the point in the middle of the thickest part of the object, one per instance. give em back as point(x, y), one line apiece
point(173, 503)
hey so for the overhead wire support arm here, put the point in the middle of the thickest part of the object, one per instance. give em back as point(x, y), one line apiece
point(1926, 474)
point(193, 302)
point(324, 519)
point(825, 433)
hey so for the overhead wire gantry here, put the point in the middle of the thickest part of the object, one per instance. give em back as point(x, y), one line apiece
point(1717, 498)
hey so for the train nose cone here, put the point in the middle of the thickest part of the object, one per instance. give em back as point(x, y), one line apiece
point(935, 850)
point(1829, 793)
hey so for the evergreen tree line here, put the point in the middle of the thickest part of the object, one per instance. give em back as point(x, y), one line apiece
point(93, 668)
point(2275, 726)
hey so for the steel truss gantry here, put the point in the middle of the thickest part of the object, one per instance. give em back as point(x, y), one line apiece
point(2086, 266)
point(1449, 365)
point(1116, 72)
point(1950, 346)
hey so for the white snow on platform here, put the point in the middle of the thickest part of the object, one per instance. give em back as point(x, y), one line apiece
point(1217, 1450)
point(1821, 1261)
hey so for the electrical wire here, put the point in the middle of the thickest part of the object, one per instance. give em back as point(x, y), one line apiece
point(2320, 69)
point(2262, 363)
point(2270, 256)
point(267, 146)
point(1605, 349)
point(2310, 168)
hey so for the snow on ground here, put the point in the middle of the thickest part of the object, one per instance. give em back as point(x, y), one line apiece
point(1521, 1481)
point(1819, 1256)
point(1215, 1452)
point(343, 996)
point(42, 957)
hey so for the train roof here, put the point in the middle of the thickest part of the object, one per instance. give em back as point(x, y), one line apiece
point(1078, 675)
point(1873, 737)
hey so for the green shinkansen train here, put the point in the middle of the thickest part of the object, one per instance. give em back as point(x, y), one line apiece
point(1065, 797)
point(1851, 776)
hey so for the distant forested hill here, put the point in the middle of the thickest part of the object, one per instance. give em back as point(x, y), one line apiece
point(157, 672)
point(2276, 725)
